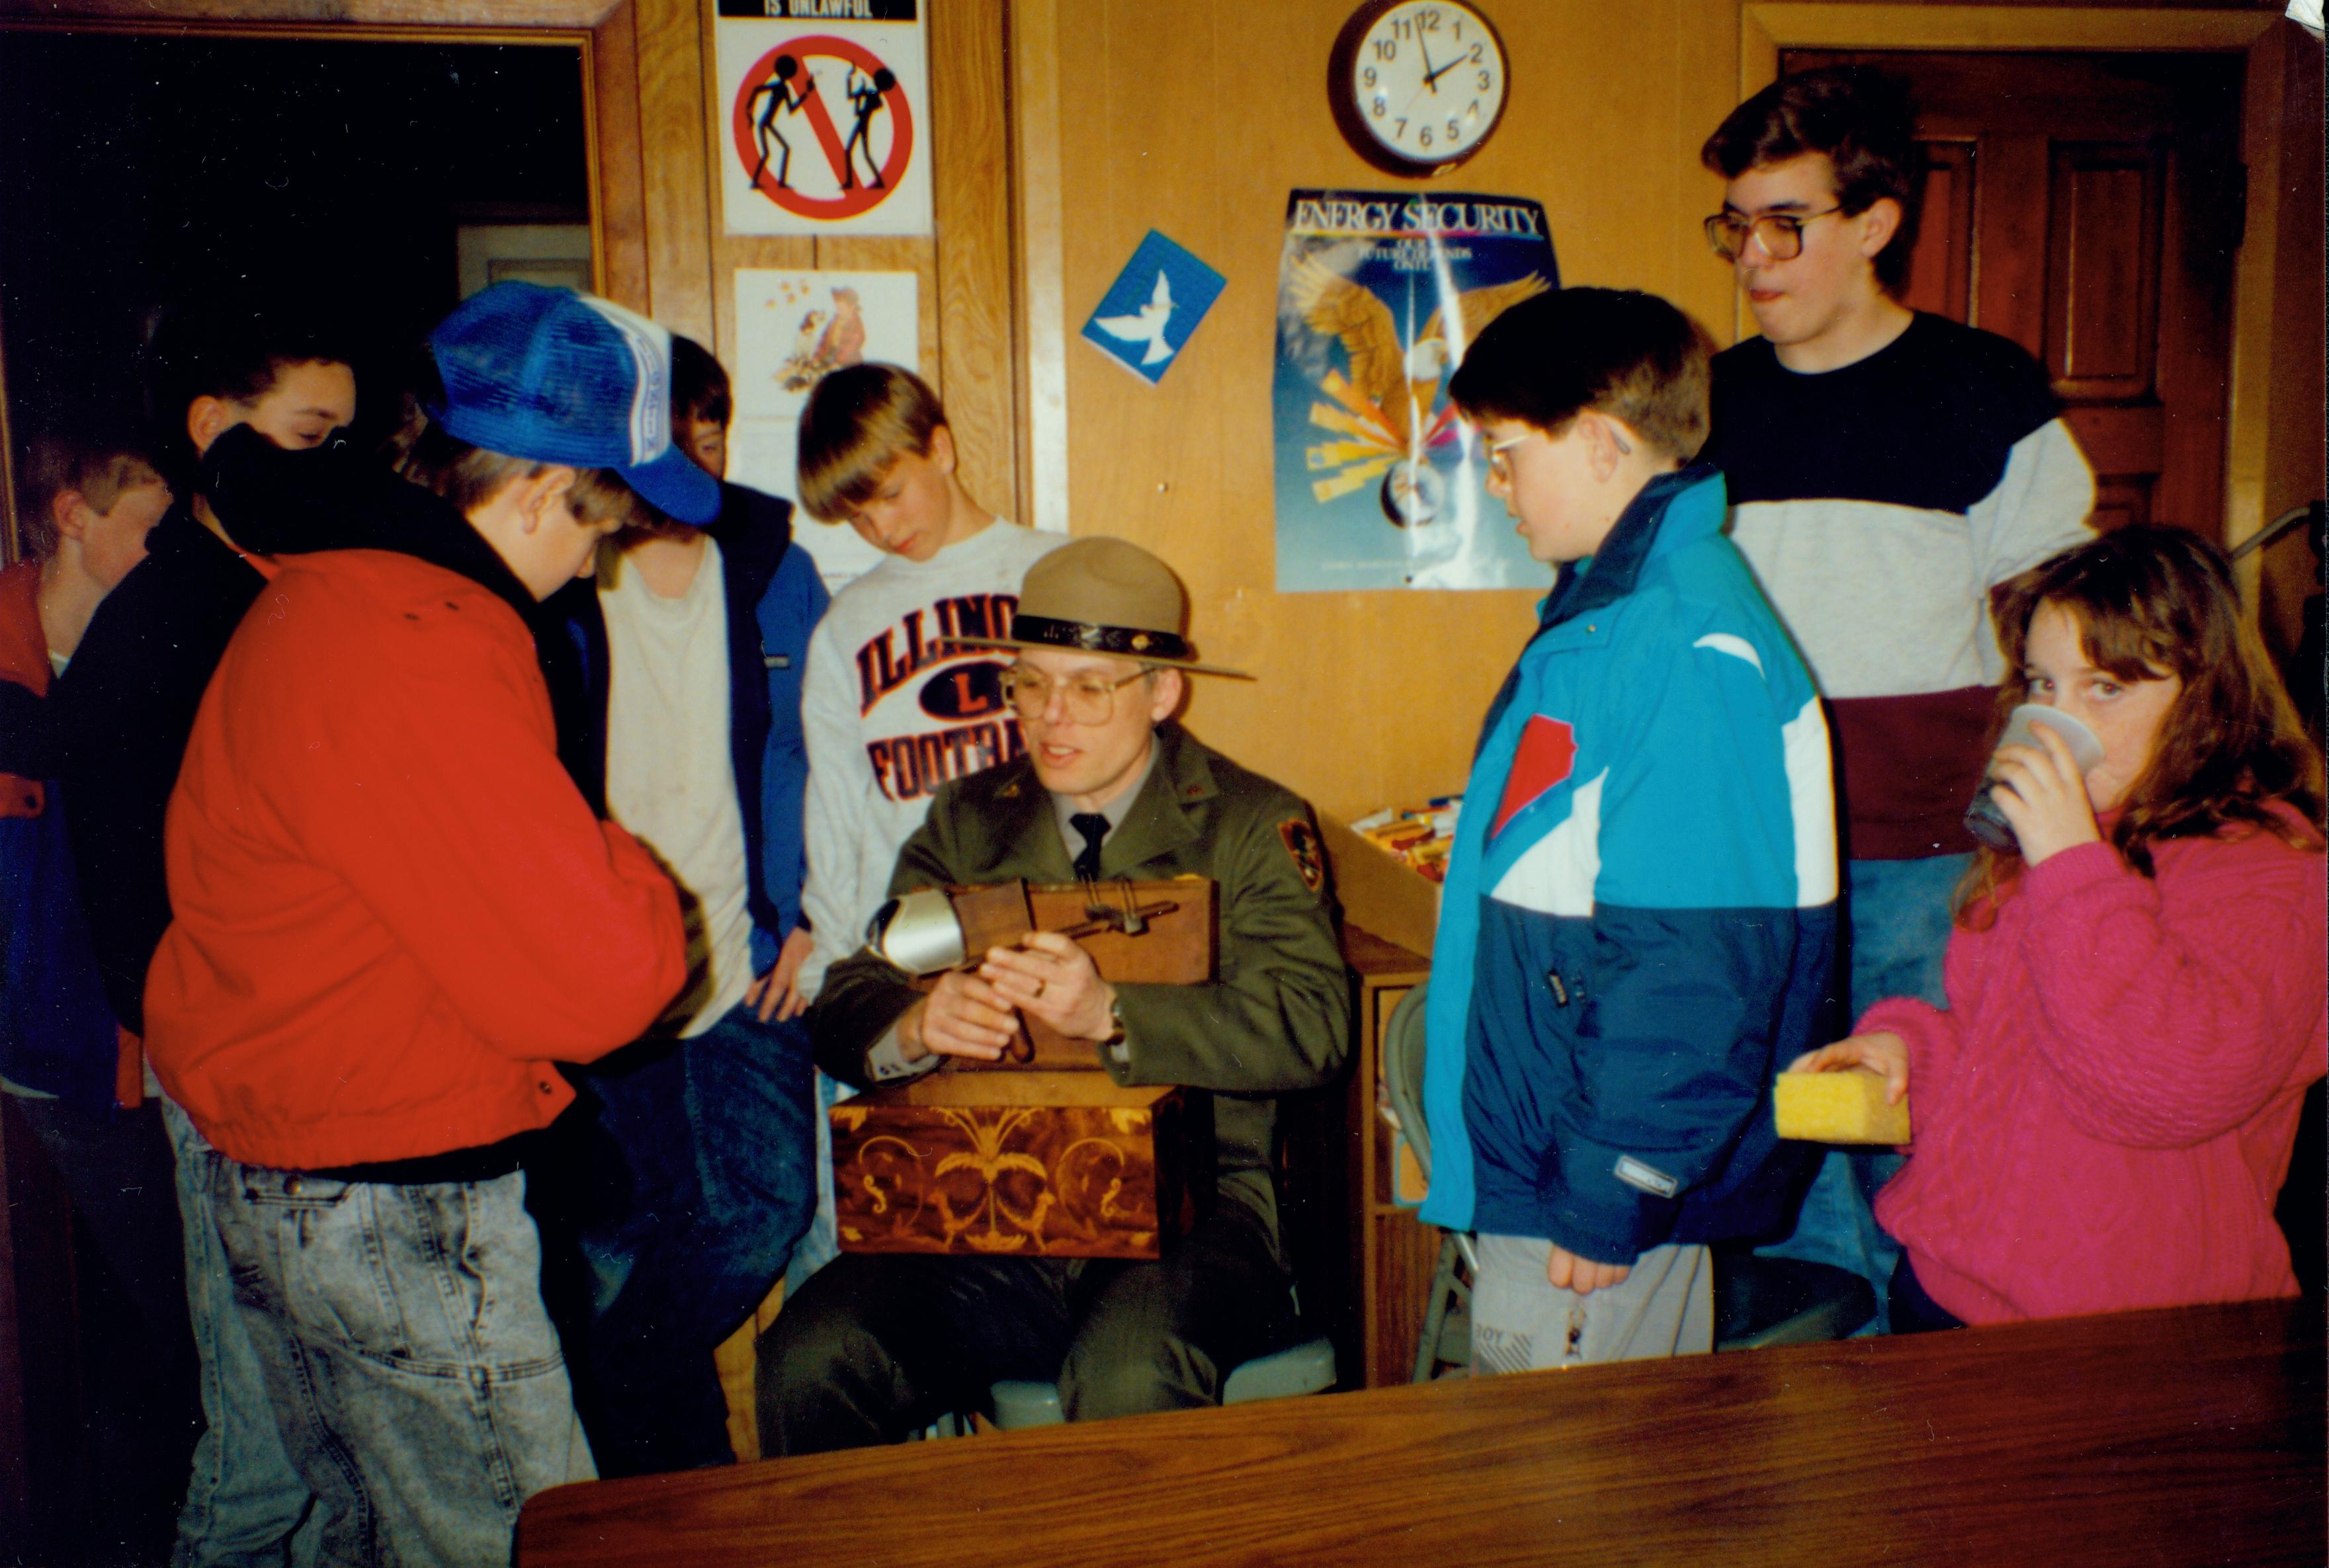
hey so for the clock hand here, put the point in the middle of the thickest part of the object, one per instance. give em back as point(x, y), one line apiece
point(1431, 75)
point(1443, 71)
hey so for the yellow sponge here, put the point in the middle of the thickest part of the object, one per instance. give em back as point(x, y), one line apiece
point(1842, 1107)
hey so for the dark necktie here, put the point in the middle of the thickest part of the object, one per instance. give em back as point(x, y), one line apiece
point(1093, 826)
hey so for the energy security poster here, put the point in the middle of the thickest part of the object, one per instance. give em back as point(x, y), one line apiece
point(1378, 484)
point(824, 122)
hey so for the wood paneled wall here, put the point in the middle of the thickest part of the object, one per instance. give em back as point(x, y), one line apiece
point(965, 271)
point(1197, 118)
point(2287, 157)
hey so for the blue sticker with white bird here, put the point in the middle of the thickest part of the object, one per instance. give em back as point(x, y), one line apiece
point(1144, 319)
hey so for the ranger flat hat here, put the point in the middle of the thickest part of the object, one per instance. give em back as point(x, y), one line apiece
point(1103, 595)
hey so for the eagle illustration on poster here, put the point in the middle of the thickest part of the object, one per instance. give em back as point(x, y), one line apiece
point(1386, 407)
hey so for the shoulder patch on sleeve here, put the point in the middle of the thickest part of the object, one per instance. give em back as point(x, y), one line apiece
point(1309, 856)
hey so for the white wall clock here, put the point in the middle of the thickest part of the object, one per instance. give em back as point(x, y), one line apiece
point(1418, 86)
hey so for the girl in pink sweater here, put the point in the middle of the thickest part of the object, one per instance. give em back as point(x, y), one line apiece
point(2104, 1113)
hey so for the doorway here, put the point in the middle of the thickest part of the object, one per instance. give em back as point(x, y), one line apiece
point(2089, 207)
point(140, 170)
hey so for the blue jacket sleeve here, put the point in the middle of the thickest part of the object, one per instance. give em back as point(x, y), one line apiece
point(1686, 974)
point(789, 612)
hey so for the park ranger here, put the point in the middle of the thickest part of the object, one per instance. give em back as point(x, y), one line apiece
point(1109, 785)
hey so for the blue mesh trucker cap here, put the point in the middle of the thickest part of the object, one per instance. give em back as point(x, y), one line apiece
point(555, 376)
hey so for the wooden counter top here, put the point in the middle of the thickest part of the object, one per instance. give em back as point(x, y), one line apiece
point(2152, 1438)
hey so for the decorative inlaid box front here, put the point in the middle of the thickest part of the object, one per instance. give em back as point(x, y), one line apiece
point(1028, 1164)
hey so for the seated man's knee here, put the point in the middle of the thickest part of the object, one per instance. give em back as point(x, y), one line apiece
point(824, 1377)
point(1107, 1375)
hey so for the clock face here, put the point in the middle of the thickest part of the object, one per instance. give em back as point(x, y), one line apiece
point(1426, 82)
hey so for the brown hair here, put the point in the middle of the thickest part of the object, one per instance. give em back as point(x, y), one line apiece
point(469, 477)
point(100, 467)
point(699, 384)
point(2153, 601)
point(858, 421)
point(1632, 356)
point(1857, 117)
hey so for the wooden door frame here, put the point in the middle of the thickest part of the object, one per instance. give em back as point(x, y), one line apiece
point(602, 31)
point(1765, 30)
point(1039, 216)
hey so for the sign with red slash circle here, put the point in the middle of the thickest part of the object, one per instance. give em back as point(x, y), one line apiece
point(782, 88)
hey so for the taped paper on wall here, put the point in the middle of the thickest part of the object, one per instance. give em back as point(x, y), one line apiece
point(792, 328)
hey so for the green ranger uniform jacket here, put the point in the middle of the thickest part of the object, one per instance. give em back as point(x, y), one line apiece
point(1276, 1018)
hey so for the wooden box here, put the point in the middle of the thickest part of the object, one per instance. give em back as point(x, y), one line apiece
point(1039, 1154)
point(1022, 1164)
point(1379, 893)
point(1179, 948)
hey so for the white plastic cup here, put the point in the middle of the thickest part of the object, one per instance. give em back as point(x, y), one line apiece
point(1983, 820)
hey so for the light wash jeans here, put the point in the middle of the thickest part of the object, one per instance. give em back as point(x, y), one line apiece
point(414, 1371)
point(245, 1503)
point(1899, 925)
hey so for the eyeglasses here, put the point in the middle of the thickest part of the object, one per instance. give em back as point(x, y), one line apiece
point(1780, 234)
point(1500, 467)
point(1089, 699)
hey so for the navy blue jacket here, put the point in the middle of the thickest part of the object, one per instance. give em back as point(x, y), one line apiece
point(1639, 918)
point(57, 1032)
point(124, 708)
point(774, 601)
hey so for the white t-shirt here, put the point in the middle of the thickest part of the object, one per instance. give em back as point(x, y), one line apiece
point(671, 778)
point(889, 717)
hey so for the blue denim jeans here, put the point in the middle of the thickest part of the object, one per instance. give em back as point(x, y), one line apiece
point(245, 1503)
point(712, 1143)
point(1899, 913)
point(415, 1376)
point(821, 1244)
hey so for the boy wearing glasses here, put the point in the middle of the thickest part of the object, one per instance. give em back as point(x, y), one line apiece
point(1886, 468)
point(1108, 785)
point(1638, 919)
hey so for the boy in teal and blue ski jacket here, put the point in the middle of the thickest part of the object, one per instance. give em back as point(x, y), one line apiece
point(1639, 916)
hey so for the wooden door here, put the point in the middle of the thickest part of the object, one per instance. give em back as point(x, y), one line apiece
point(2089, 207)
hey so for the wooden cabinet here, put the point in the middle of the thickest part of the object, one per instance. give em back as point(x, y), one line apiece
point(1392, 1252)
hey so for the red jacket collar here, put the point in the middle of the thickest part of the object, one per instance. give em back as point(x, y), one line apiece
point(24, 647)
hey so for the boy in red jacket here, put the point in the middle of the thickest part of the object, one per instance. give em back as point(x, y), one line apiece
point(394, 912)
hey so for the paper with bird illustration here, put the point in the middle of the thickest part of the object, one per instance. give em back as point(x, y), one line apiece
point(792, 328)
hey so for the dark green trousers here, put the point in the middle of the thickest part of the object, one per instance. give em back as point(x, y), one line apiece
point(877, 1347)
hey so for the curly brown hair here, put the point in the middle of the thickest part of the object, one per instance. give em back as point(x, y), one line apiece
point(2150, 602)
